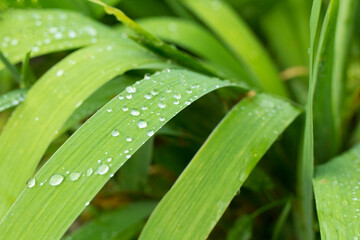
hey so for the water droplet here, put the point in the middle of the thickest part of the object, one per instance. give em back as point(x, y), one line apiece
point(59, 73)
point(147, 96)
point(130, 89)
point(89, 172)
point(142, 124)
point(31, 183)
point(177, 96)
point(188, 91)
point(74, 176)
point(115, 133)
point(176, 102)
point(161, 105)
point(135, 112)
point(56, 179)
point(125, 109)
point(109, 159)
point(102, 169)
point(121, 97)
point(144, 108)
point(147, 76)
point(150, 133)
point(154, 92)
point(128, 156)
point(129, 96)
point(87, 203)
point(109, 110)
point(162, 119)
point(129, 139)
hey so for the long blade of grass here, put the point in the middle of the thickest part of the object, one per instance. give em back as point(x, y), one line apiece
point(306, 162)
point(204, 190)
point(336, 185)
point(51, 101)
point(12, 69)
point(110, 224)
point(27, 76)
point(111, 137)
point(45, 31)
point(194, 38)
point(12, 99)
point(234, 32)
point(330, 64)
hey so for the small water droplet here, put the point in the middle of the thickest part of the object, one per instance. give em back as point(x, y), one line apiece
point(147, 96)
point(102, 169)
point(109, 110)
point(150, 133)
point(128, 156)
point(130, 89)
point(176, 102)
point(161, 105)
point(154, 92)
point(188, 91)
point(135, 112)
point(144, 108)
point(125, 109)
point(31, 183)
point(147, 76)
point(129, 96)
point(89, 172)
point(121, 97)
point(142, 124)
point(74, 176)
point(56, 179)
point(109, 159)
point(162, 119)
point(59, 73)
point(115, 133)
point(129, 139)
point(177, 96)
point(87, 203)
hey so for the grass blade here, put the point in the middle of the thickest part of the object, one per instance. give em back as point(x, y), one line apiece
point(238, 37)
point(204, 190)
point(45, 31)
point(34, 124)
point(12, 69)
point(12, 99)
point(102, 137)
point(114, 222)
point(336, 185)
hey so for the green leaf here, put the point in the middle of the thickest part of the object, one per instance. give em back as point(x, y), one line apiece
point(193, 37)
point(237, 36)
point(12, 99)
point(45, 31)
point(12, 69)
point(304, 220)
point(114, 222)
point(331, 64)
point(336, 185)
point(204, 190)
point(103, 137)
point(51, 101)
point(27, 76)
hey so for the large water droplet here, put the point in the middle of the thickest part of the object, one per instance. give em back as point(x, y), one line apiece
point(115, 133)
point(31, 183)
point(135, 112)
point(102, 169)
point(130, 89)
point(142, 124)
point(56, 179)
point(74, 176)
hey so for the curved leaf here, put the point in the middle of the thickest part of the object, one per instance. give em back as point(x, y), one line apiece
point(97, 150)
point(204, 190)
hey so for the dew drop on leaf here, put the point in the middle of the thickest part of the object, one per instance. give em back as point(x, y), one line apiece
point(56, 179)
point(130, 89)
point(89, 172)
point(74, 176)
point(135, 112)
point(142, 124)
point(31, 183)
point(150, 133)
point(115, 133)
point(102, 169)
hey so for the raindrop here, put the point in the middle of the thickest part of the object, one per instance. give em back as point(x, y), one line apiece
point(147, 96)
point(162, 105)
point(188, 91)
point(31, 183)
point(59, 73)
point(176, 102)
point(147, 76)
point(177, 96)
point(129, 96)
point(109, 110)
point(144, 108)
point(142, 124)
point(56, 179)
point(115, 133)
point(130, 89)
point(150, 133)
point(121, 97)
point(129, 139)
point(154, 92)
point(135, 112)
point(125, 109)
point(109, 159)
point(102, 169)
point(89, 172)
point(74, 176)
point(162, 119)
point(128, 156)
